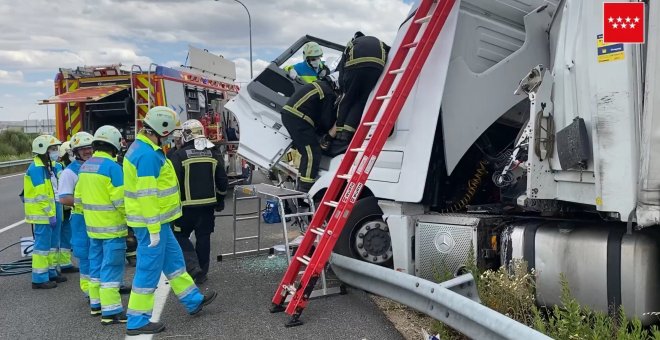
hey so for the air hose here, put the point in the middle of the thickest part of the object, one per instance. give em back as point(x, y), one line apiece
point(18, 267)
point(472, 187)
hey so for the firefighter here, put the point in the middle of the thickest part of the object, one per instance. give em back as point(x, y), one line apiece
point(308, 114)
point(152, 203)
point(312, 67)
point(81, 144)
point(100, 190)
point(64, 257)
point(203, 186)
point(362, 63)
point(40, 209)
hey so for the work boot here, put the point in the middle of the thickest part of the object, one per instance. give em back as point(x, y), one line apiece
point(113, 319)
point(59, 279)
point(208, 298)
point(131, 261)
point(44, 285)
point(124, 289)
point(69, 270)
point(95, 311)
point(150, 328)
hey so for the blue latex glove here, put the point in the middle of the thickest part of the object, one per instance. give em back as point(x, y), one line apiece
point(53, 221)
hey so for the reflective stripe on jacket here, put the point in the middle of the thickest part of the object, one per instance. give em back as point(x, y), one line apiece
point(38, 192)
point(100, 190)
point(151, 188)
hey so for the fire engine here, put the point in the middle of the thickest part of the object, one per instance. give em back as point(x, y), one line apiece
point(88, 97)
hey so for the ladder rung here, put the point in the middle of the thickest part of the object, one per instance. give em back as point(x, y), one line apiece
point(384, 97)
point(358, 150)
point(423, 20)
point(304, 261)
point(397, 71)
point(253, 217)
point(246, 238)
point(370, 123)
point(331, 204)
point(318, 231)
point(411, 45)
point(290, 288)
point(307, 258)
point(347, 176)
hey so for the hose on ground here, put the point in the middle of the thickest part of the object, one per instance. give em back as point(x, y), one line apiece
point(18, 267)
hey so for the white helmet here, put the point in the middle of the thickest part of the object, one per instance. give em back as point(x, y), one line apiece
point(312, 49)
point(193, 130)
point(108, 134)
point(65, 149)
point(162, 120)
point(81, 140)
point(41, 144)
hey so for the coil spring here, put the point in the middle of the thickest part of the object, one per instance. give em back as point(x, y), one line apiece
point(473, 185)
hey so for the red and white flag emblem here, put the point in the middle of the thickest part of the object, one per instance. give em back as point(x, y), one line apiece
point(623, 22)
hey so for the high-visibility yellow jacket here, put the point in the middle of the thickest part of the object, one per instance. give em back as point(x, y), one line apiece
point(100, 189)
point(38, 193)
point(151, 188)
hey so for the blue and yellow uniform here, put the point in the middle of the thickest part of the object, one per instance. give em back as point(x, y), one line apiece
point(152, 203)
point(100, 190)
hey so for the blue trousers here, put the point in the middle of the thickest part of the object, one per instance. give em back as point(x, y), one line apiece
point(80, 245)
point(55, 237)
point(166, 258)
point(106, 271)
point(65, 244)
point(41, 259)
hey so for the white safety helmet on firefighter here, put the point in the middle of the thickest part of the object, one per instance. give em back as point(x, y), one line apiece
point(41, 144)
point(333, 79)
point(193, 130)
point(108, 134)
point(81, 140)
point(65, 149)
point(312, 50)
point(162, 121)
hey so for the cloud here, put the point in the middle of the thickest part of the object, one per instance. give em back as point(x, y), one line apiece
point(243, 68)
point(9, 77)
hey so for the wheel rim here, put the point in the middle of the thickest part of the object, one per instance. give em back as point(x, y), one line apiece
point(372, 242)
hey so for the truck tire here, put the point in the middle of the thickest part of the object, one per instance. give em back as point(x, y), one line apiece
point(366, 236)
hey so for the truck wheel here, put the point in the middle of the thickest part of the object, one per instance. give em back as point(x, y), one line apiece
point(366, 236)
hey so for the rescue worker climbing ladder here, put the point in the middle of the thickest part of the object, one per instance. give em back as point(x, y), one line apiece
point(308, 114)
point(100, 191)
point(152, 202)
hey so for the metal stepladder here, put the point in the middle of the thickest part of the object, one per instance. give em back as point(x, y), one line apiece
point(258, 192)
point(353, 171)
point(139, 91)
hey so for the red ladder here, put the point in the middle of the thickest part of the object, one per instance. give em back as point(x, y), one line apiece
point(359, 159)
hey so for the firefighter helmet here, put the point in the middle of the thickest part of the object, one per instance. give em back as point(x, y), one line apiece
point(192, 129)
point(312, 49)
point(108, 134)
point(162, 120)
point(41, 144)
point(81, 140)
point(65, 148)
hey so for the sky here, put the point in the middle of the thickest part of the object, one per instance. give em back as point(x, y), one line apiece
point(40, 36)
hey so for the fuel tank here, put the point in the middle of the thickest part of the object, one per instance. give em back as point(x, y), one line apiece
point(603, 264)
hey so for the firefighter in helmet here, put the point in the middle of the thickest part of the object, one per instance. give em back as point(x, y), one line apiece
point(203, 185)
point(312, 67)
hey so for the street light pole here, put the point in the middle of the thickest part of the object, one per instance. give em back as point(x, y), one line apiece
point(250, 28)
point(28, 120)
point(47, 120)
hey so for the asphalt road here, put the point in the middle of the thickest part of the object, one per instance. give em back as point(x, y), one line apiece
point(245, 288)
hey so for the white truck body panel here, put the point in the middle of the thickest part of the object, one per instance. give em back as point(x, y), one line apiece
point(648, 199)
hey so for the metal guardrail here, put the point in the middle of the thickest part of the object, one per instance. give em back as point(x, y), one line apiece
point(15, 163)
point(454, 302)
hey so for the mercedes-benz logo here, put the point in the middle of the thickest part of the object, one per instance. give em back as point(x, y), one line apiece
point(444, 242)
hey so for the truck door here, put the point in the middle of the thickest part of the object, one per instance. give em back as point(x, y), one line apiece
point(263, 138)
